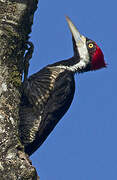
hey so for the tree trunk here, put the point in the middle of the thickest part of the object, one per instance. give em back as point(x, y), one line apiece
point(16, 18)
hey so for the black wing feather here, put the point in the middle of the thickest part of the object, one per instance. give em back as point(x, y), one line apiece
point(53, 107)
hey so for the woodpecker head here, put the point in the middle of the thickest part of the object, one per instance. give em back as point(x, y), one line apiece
point(89, 53)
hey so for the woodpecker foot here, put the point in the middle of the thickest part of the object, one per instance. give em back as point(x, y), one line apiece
point(27, 58)
point(25, 157)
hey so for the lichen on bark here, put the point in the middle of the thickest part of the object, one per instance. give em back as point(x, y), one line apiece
point(16, 18)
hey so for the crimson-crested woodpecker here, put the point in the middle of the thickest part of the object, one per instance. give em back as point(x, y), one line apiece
point(48, 93)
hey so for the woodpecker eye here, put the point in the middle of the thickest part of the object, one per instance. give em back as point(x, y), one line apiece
point(90, 45)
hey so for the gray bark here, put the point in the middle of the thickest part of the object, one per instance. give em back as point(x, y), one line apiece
point(16, 18)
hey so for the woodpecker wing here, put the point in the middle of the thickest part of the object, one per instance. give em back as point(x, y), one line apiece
point(50, 92)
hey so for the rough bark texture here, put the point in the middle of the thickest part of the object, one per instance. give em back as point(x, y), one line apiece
point(16, 18)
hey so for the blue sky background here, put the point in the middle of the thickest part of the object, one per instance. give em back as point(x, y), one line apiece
point(83, 146)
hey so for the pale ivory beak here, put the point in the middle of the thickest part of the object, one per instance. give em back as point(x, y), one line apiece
point(80, 39)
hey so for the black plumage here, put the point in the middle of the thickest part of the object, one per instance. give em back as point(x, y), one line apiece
point(51, 92)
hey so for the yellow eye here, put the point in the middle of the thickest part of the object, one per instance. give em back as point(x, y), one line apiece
point(90, 45)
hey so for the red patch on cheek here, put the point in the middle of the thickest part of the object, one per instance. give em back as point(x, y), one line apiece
point(97, 59)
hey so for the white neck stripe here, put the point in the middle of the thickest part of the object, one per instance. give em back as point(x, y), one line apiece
point(84, 57)
point(79, 66)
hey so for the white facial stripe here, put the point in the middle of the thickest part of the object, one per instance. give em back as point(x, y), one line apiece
point(82, 50)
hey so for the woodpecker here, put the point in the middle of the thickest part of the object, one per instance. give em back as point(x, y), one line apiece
point(48, 93)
